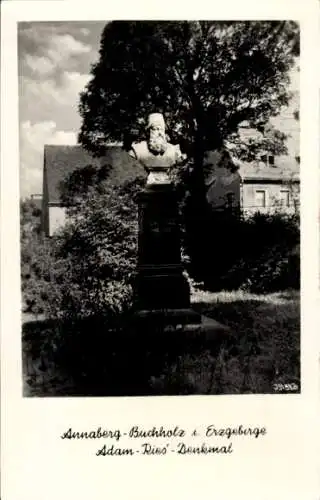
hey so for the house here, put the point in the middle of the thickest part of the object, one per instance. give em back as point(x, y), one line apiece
point(266, 185)
point(272, 182)
point(257, 186)
point(270, 187)
point(61, 161)
point(37, 200)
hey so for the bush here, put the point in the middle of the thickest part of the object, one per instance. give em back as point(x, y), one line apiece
point(81, 278)
point(35, 259)
point(85, 269)
point(258, 254)
point(95, 254)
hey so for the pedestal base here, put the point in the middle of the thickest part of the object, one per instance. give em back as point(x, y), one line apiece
point(180, 331)
point(161, 291)
point(156, 291)
point(168, 317)
point(160, 282)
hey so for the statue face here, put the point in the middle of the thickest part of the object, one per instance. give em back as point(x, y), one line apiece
point(156, 139)
point(157, 129)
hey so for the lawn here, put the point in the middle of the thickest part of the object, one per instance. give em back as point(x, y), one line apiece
point(261, 357)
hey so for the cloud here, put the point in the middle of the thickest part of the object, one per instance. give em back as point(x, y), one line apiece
point(61, 53)
point(66, 92)
point(39, 64)
point(53, 99)
point(45, 51)
point(54, 67)
point(84, 31)
point(33, 137)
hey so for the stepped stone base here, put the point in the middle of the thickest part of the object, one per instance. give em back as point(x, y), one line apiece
point(171, 317)
point(162, 292)
point(183, 330)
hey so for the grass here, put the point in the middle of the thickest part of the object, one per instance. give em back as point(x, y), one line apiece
point(264, 350)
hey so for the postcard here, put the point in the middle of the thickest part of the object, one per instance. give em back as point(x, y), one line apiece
point(160, 250)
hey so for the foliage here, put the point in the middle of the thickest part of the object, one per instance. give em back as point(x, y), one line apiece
point(35, 257)
point(206, 77)
point(259, 253)
point(268, 139)
point(77, 184)
point(86, 274)
point(95, 252)
point(30, 218)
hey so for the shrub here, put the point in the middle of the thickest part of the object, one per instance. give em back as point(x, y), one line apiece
point(35, 259)
point(258, 254)
point(83, 279)
point(95, 254)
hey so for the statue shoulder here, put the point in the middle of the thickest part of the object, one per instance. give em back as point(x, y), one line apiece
point(176, 152)
point(173, 147)
point(140, 149)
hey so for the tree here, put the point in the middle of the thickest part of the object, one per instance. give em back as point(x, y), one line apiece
point(206, 77)
point(250, 147)
point(30, 218)
point(35, 258)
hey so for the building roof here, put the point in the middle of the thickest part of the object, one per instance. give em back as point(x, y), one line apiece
point(37, 200)
point(286, 168)
point(61, 161)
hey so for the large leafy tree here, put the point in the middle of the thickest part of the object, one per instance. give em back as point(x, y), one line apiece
point(206, 77)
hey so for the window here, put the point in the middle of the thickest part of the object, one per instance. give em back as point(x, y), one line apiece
point(260, 198)
point(285, 198)
point(268, 159)
point(298, 159)
point(230, 199)
point(264, 158)
point(271, 160)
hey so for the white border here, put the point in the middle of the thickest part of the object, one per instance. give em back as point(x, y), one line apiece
point(35, 462)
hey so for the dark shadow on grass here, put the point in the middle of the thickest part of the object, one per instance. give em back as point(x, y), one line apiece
point(91, 357)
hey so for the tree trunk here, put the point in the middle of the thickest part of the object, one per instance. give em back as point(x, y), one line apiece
point(197, 214)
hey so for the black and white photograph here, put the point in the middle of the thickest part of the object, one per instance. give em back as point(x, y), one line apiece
point(159, 250)
point(159, 207)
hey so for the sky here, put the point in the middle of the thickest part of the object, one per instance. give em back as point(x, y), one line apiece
point(54, 61)
point(54, 67)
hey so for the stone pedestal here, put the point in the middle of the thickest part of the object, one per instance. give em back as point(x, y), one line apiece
point(162, 292)
point(160, 283)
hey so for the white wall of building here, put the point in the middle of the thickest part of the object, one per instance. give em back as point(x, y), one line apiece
point(57, 218)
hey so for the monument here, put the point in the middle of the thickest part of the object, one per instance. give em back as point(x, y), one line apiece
point(161, 291)
point(156, 154)
point(160, 284)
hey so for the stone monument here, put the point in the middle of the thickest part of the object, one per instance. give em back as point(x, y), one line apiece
point(162, 292)
point(156, 154)
point(160, 284)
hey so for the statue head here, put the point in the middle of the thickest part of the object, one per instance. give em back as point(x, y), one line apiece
point(156, 153)
point(156, 133)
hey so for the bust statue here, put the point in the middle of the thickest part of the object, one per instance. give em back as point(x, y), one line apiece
point(156, 154)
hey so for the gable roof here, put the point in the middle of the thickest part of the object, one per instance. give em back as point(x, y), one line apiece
point(61, 161)
point(286, 168)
